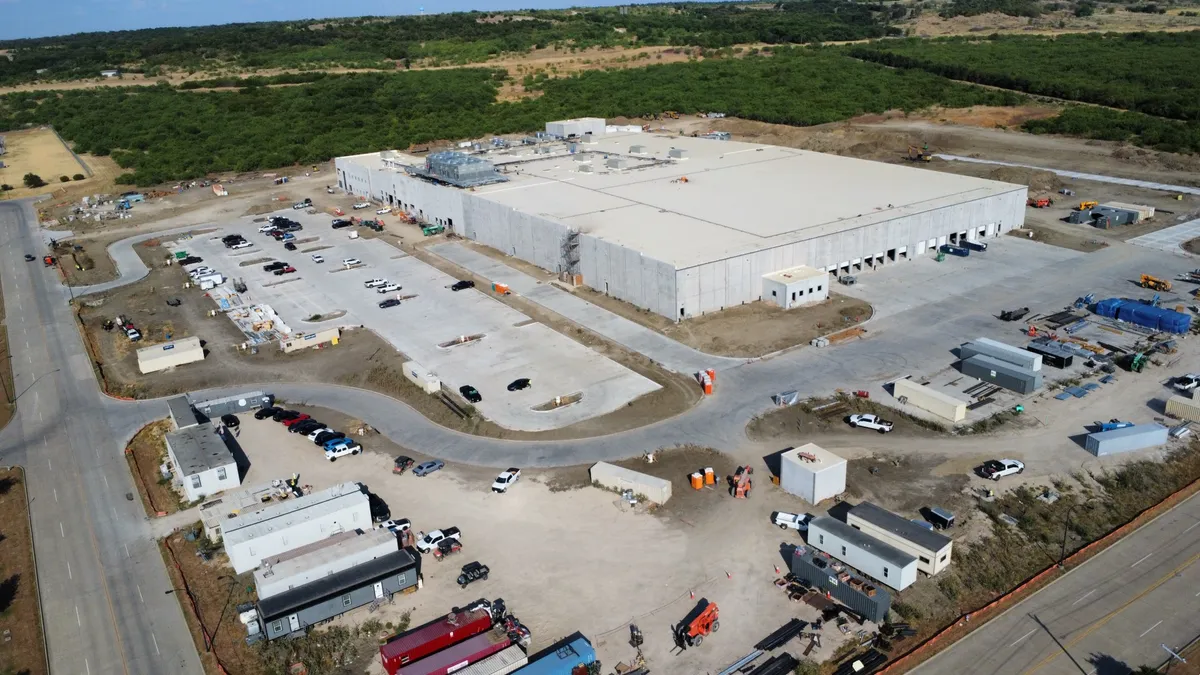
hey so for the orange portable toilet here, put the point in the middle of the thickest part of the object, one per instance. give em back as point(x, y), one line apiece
point(707, 387)
point(710, 476)
point(697, 481)
point(712, 374)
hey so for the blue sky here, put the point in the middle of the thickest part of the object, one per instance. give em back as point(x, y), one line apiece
point(39, 18)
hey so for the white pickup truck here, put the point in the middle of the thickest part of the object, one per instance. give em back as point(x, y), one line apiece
point(871, 422)
point(428, 542)
point(794, 521)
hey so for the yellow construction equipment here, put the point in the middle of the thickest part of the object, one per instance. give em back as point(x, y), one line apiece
point(1154, 283)
point(919, 155)
point(1084, 206)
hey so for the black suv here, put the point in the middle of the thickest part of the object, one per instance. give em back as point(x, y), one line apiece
point(462, 285)
point(264, 413)
point(277, 265)
point(339, 223)
point(285, 415)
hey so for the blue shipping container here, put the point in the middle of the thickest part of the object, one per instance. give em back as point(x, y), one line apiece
point(562, 658)
point(1108, 307)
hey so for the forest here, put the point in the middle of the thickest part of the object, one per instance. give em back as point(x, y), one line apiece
point(161, 133)
point(1152, 73)
point(1115, 125)
point(471, 37)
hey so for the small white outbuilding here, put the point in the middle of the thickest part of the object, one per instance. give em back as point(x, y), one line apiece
point(169, 354)
point(812, 473)
point(795, 287)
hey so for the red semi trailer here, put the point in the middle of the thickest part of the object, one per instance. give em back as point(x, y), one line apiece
point(460, 655)
point(409, 646)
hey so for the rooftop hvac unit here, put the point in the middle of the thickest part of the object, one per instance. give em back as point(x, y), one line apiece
point(678, 153)
point(585, 168)
point(583, 158)
point(617, 163)
point(588, 138)
point(637, 149)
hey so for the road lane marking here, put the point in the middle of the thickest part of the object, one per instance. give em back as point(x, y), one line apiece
point(77, 619)
point(48, 463)
point(105, 480)
point(1141, 561)
point(1014, 644)
point(56, 495)
point(1110, 616)
point(1151, 628)
point(61, 530)
point(1081, 599)
point(69, 575)
point(155, 644)
point(89, 668)
point(140, 595)
point(126, 550)
point(1194, 526)
point(115, 516)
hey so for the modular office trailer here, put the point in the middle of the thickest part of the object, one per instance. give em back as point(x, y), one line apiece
point(454, 658)
point(500, 663)
point(1000, 373)
point(1137, 437)
point(1184, 408)
point(416, 643)
point(231, 405)
point(827, 575)
point(930, 400)
point(295, 611)
point(562, 657)
point(932, 549)
point(878, 560)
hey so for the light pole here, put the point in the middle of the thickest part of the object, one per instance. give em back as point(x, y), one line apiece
point(1062, 556)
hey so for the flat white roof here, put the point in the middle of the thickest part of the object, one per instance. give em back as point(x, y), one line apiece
point(738, 197)
point(282, 515)
point(825, 458)
point(794, 274)
point(167, 349)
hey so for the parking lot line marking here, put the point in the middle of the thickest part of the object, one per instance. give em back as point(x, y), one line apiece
point(78, 621)
point(115, 516)
point(1141, 561)
point(140, 595)
point(55, 494)
point(127, 553)
point(1014, 644)
point(89, 668)
point(69, 575)
point(1083, 597)
point(1151, 628)
point(61, 530)
point(155, 644)
point(105, 480)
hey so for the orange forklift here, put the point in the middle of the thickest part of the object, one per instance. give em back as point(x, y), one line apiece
point(699, 622)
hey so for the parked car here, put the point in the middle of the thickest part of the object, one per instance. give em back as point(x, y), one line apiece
point(285, 415)
point(264, 413)
point(382, 212)
point(390, 288)
point(241, 244)
point(375, 283)
point(871, 422)
point(191, 260)
point(277, 265)
point(314, 433)
point(318, 258)
point(338, 223)
point(287, 236)
point(361, 205)
point(472, 571)
point(425, 544)
point(323, 436)
point(300, 417)
point(200, 271)
point(470, 393)
point(1187, 382)
point(133, 334)
point(519, 384)
point(306, 427)
point(996, 469)
point(426, 468)
point(793, 521)
point(390, 302)
point(401, 464)
point(397, 526)
point(284, 270)
point(462, 285)
point(267, 228)
point(232, 238)
point(231, 421)
point(351, 262)
point(289, 246)
point(506, 479)
point(341, 449)
point(302, 205)
point(379, 508)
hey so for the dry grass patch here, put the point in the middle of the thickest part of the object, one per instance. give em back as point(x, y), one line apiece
point(23, 651)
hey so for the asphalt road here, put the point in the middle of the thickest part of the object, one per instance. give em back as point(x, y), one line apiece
point(103, 586)
point(1106, 617)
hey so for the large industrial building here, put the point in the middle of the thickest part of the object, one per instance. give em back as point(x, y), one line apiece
point(680, 225)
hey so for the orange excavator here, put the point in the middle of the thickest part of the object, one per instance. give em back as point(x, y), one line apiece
point(739, 482)
point(699, 622)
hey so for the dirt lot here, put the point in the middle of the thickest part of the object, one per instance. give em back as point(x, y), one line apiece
point(6, 376)
point(361, 359)
point(145, 453)
point(929, 24)
point(23, 650)
point(570, 538)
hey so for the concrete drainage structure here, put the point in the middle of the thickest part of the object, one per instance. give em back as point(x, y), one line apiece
point(559, 402)
point(462, 340)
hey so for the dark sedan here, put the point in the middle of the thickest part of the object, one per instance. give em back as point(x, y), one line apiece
point(470, 393)
point(264, 413)
point(519, 384)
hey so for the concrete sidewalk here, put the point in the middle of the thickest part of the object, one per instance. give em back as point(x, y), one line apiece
point(660, 348)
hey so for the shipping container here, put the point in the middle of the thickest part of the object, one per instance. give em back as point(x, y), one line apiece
point(1137, 437)
point(1000, 373)
point(456, 657)
point(930, 400)
point(869, 600)
point(428, 638)
point(1183, 408)
point(502, 663)
point(1000, 351)
point(561, 658)
point(1053, 354)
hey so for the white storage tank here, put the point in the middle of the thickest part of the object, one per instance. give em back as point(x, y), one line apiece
point(812, 473)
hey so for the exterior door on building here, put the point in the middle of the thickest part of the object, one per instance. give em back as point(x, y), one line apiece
point(294, 622)
point(378, 590)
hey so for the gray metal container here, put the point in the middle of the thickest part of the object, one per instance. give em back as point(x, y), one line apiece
point(1000, 373)
point(873, 607)
point(1053, 354)
point(1001, 352)
point(1137, 437)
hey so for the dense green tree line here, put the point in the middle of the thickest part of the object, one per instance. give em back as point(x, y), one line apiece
point(1153, 73)
point(460, 37)
point(1029, 8)
point(161, 133)
point(1129, 127)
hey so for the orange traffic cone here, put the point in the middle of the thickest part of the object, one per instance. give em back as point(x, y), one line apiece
point(777, 569)
point(693, 594)
point(728, 575)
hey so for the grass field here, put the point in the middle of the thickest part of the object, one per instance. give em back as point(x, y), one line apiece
point(36, 151)
point(6, 379)
point(24, 651)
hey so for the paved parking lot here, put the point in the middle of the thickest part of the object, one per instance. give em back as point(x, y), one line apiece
point(1170, 239)
point(510, 344)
